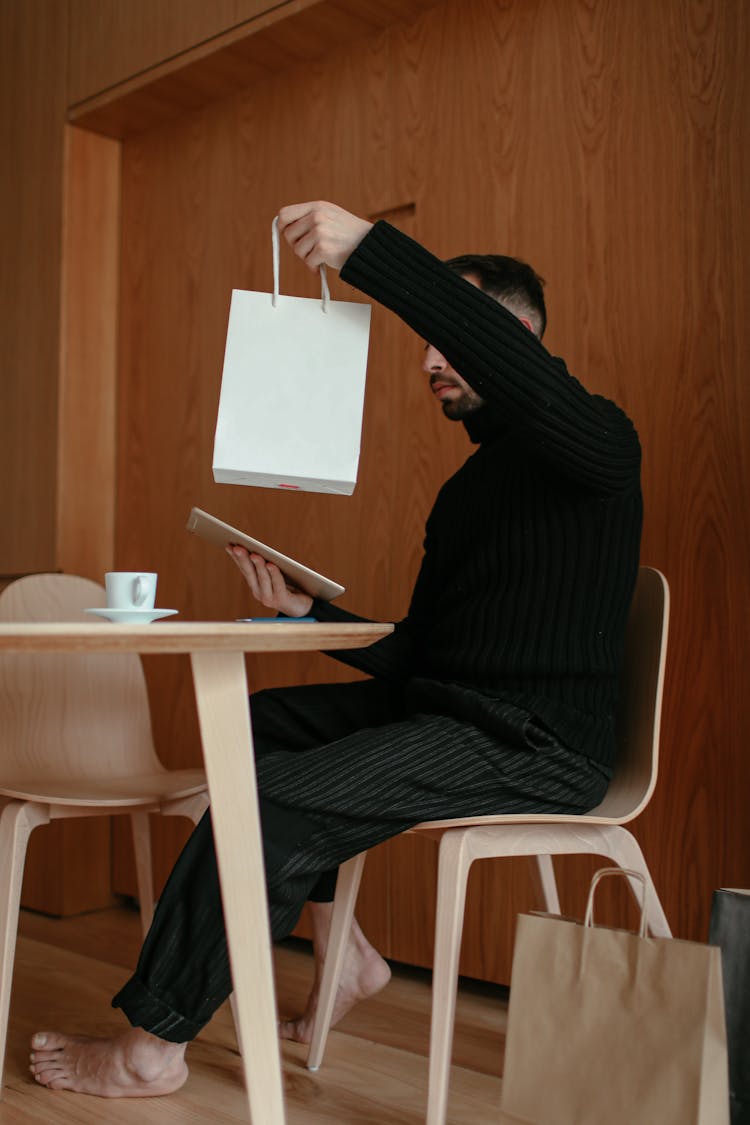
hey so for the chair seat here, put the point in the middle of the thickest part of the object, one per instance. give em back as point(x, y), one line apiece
point(135, 790)
point(510, 819)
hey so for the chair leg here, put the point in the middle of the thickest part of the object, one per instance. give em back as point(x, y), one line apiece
point(453, 871)
point(141, 827)
point(235, 1017)
point(625, 850)
point(543, 875)
point(191, 807)
point(347, 886)
point(17, 821)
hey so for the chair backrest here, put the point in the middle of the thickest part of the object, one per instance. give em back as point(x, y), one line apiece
point(69, 715)
point(641, 691)
point(639, 719)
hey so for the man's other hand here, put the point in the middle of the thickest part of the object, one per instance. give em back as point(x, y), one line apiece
point(322, 232)
point(268, 585)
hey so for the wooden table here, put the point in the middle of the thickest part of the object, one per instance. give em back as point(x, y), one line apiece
point(216, 651)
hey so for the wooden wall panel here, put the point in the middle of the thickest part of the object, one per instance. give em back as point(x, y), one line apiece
point(88, 356)
point(32, 107)
point(185, 62)
point(68, 868)
point(608, 145)
point(111, 40)
point(46, 482)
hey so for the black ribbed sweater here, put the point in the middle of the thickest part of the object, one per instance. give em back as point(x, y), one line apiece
point(531, 549)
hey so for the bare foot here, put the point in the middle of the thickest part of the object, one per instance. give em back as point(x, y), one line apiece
point(364, 973)
point(135, 1064)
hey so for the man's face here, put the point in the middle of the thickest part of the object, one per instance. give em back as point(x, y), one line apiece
point(456, 396)
point(458, 399)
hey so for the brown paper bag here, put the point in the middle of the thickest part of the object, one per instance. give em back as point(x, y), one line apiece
point(607, 1027)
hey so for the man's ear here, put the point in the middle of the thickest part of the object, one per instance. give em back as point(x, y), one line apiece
point(526, 322)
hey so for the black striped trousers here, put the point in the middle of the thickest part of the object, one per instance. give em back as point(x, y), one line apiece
point(340, 767)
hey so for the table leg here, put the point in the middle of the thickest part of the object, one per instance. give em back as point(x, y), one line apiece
point(224, 716)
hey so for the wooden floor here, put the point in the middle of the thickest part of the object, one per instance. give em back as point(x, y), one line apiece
point(374, 1072)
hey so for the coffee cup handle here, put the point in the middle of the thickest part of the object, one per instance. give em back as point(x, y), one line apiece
point(140, 590)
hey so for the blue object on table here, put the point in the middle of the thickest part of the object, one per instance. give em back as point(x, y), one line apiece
point(279, 620)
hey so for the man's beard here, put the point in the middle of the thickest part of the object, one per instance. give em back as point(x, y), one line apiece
point(462, 407)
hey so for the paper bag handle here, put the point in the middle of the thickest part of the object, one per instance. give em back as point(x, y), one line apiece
point(588, 919)
point(325, 295)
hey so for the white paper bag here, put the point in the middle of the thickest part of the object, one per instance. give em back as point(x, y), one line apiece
point(292, 390)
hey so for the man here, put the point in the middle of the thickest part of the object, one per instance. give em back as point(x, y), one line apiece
point(496, 693)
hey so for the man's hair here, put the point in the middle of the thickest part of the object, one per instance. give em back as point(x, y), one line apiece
point(513, 283)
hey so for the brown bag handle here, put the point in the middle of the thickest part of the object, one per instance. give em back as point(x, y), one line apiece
point(588, 919)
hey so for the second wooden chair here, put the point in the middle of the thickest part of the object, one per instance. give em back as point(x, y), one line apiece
point(75, 741)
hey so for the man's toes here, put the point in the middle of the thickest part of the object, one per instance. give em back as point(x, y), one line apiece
point(44, 1040)
point(49, 1041)
point(45, 1056)
point(46, 1076)
point(58, 1083)
point(47, 1066)
point(43, 1066)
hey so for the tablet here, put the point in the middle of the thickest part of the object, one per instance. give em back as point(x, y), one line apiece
point(222, 534)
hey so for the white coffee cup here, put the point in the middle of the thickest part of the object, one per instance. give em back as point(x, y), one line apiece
point(130, 589)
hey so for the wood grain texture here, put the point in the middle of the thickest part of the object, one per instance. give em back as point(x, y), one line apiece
point(32, 108)
point(375, 1072)
point(111, 41)
point(49, 435)
point(68, 868)
point(202, 55)
point(88, 355)
point(188, 637)
point(608, 145)
point(397, 1017)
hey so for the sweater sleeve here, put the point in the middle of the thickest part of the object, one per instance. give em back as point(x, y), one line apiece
point(582, 435)
point(392, 658)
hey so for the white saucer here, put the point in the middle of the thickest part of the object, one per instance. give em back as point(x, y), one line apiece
point(132, 616)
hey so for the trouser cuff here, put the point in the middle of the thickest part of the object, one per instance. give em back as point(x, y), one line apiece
point(154, 1014)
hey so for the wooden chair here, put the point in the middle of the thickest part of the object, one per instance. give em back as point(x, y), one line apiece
point(599, 832)
point(75, 740)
